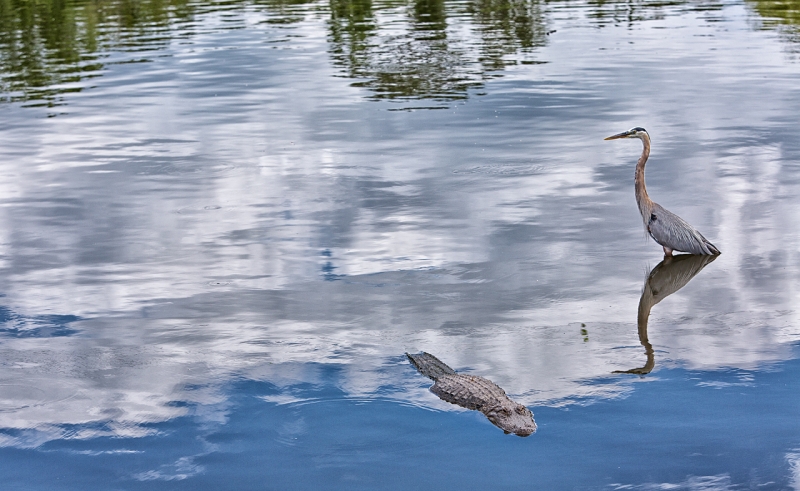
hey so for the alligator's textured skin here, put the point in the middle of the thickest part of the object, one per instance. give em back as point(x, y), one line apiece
point(473, 392)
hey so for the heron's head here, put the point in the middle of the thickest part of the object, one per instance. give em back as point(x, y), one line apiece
point(637, 132)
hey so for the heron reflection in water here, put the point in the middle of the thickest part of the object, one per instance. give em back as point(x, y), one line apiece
point(668, 229)
point(671, 274)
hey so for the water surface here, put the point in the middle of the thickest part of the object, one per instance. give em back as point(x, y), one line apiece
point(224, 223)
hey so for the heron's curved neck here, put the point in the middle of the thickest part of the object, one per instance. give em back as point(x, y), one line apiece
point(642, 198)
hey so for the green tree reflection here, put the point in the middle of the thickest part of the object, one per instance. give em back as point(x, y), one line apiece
point(783, 15)
point(48, 46)
point(410, 49)
point(432, 49)
point(630, 13)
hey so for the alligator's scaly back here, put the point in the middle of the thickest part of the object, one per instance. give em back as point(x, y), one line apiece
point(473, 392)
point(430, 366)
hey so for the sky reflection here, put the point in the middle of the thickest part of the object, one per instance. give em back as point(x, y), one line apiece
point(233, 230)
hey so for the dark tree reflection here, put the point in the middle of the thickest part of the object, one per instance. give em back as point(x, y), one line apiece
point(778, 12)
point(351, 28)
point(47, 46)
point(398, 49)
point(632, 12)
point(431, 49)
point(782, 15)
point(505, 24)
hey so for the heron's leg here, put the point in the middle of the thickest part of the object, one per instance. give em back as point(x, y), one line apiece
point(667, 251)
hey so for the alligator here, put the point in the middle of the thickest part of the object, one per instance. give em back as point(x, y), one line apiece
point(473, 392)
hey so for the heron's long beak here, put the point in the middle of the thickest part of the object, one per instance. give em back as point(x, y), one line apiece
point(624, 134)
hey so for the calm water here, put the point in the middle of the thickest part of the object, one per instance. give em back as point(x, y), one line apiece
point(222, 225)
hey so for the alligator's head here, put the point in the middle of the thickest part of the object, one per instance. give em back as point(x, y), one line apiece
point(515, 418)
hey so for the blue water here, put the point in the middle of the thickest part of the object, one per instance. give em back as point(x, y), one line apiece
point(673, 431)
point(222, 225)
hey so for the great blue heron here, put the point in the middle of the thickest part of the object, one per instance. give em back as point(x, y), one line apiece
point(668, 229)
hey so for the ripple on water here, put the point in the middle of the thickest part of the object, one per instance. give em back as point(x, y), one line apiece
point(18, 396)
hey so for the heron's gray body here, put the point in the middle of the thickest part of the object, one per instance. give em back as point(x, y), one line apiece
point(668, 229)
point(672, 232)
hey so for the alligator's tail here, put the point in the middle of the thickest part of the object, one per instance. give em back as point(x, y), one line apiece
point(429, 365)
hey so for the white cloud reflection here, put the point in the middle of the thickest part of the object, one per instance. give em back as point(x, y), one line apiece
point(203, 256)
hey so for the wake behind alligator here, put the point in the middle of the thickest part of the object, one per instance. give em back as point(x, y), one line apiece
point(473, 392)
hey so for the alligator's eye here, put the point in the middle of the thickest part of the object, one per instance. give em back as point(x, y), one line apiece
point(521, 410)
point(505, 412)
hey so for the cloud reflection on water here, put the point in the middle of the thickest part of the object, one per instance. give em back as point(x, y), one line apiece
point(192, 227)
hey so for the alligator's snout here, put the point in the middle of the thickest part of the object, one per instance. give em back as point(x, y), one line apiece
point(518, 420)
